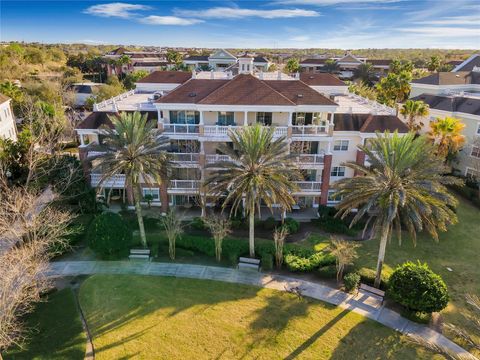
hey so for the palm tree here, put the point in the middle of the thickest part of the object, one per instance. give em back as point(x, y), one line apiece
point(260, 169)
point(330, 66)
point(366, 73)
point(134, 147)
point(411, 109)
point(446, 134)
point(403, 188)
point(434, 63)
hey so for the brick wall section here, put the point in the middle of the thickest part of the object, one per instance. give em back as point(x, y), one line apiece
point(360, 160)
point(327, 167)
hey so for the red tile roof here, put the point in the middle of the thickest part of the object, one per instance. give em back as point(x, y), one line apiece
point(368, 123)
point(321, 79)
point(166, 77)
point(313, 61)
point(192, 91)
point(299, 93)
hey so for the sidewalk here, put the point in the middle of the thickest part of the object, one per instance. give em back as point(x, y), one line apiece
point(362, 303)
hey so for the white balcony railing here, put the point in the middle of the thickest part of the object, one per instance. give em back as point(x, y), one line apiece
point(308, 159)
point(309, 186)
point(309, 129)
point(185, 157)
point(218, 130)
point(184, 184)
point(116, 181)
point(212, 159)
point(280, 131)
point(173, 129)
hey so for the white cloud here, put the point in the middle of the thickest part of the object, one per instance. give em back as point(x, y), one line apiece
point(238, 13)
point(455, 20)
point(333, 2)
point(169, 20)
point(431, 31)
point(120, 10)
point(300, 38)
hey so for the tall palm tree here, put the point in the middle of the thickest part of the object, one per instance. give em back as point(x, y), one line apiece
point(411, 109)
point(366, 73)
point(261, 169)
point(446, 134)
point(134, 147)
point(403, 188)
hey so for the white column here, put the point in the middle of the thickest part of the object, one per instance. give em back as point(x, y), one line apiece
point(201, 117)
point(82, 142)
point(290, 118)
point(159, 115)
point(329, 147)
point(245, 118)
point(202, 147)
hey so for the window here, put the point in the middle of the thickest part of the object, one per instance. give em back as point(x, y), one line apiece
point(338, 171)
point(475, 151)
point(264, 118)
point(332, 198)
point(154, 192)
point(340, 145)
point(184, 117)
point(471, 173)
point(225, 118)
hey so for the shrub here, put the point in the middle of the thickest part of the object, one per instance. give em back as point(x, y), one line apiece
point(197, 223)
point(327, 272)
point(292, 225)
point(109, 236)
point(270, 223)
point(267, 261)
point(418, 288)
point(304, 264)
point(351, 281)
point(367, 276)
point(237, 223)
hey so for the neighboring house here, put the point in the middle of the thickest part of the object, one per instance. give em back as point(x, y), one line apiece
point(470, 64)
point(83, 91)
point(455, 94)
point(222, 60)
point(8, 128)
point(347, 65)
point(139, 60)
point(322, 122)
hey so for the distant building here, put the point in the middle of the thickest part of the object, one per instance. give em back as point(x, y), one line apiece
point(222, 60)
point(8, 128)
point(138, 60)
point(83, 91)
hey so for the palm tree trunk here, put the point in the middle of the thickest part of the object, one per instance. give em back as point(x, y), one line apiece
point(381, 257)
point(251, 238)
point(164, 195)
point(138, 210)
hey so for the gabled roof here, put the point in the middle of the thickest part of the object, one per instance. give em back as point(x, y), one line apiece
point(197, 58)
point(166, 77)
point(450, 78)
point(222, 54)
point(299, 93)
point(322, 79)
point(245, 89)
point(380, 62)
point(368, 123)
point(469, 64)
point(192, 91)
point(460, 104)
point(313, 61)
point(117, 51)
point(454, 62)
point(349, 58)
point(3, 98)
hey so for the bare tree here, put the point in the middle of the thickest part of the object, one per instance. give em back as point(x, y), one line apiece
point(28, 238)
point(174, 228)
point(344, 252)
point(219, 226)
point(279, 236)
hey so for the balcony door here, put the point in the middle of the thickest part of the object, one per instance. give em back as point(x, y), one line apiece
point(264, 118)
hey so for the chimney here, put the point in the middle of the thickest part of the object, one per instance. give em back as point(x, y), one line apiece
point(212, 74)
point(279, 75)
point(260, 75)
point(194, 74)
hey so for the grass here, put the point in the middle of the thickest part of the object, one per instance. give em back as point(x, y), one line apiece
point(56, 331)
point(458, 249)
point(160, 317)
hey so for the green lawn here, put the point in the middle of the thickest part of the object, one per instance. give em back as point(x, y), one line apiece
point(458, 249)
point(170, 318)
point(56, 331)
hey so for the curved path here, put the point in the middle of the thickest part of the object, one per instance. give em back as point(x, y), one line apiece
point(361, 303)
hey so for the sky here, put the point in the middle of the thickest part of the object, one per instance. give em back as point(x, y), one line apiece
point(345, 24)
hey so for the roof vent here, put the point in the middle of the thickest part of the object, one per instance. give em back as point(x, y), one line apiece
point(457, 75)
point(300, 95)
point(192, 94)
point(311, 77)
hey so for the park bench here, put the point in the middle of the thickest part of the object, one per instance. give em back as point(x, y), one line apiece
point(248, 263)
point(372, 290)
point(139, 254)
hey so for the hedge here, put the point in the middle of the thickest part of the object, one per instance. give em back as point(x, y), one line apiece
point(109, 236)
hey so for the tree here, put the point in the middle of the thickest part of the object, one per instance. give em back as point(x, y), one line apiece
point(397, 66)
point(279, 236)
point(363, 90)
point(219, 228)
point(403, 187)
point(445, 68)
point(411, 109)
point(174, 57)
point(433, 63)
point(344, 252)
point(292, 66)
point(446, 134)
point(365, 73)
point(137, 149)
point(132, 78)
point(394, 88)
point(260, 170)
point(173, 228)
point(331, 66)
point(112, 88)
point(273, 67)
point(11, 90)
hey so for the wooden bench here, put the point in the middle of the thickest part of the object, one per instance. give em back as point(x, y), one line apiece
point(372, 290)
point(248, 263)
point(139, 254)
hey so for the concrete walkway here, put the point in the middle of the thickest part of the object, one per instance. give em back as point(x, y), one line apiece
point(362, 303)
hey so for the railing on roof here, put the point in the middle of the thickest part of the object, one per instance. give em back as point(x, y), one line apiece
point(112, 101)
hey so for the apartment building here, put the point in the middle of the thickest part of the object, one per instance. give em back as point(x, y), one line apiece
point(8, 128)
point(323, 129)
point(222, 60)
point(456, 94)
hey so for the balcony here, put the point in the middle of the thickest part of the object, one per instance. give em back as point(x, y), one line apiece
point(303, 131)
point(183, 186)
point(310, 187)
point(185, 159)
point(183, 130)
point(218, 131)
point(212, 159)
point(308, 160)
point(114, 182)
